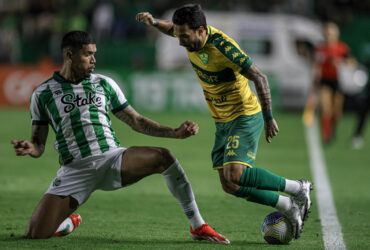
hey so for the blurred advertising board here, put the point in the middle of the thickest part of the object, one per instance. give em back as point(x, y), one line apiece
point(18, 81)
point(169, 90)
point(145, 90)
point(154, 91)
point(157, 91)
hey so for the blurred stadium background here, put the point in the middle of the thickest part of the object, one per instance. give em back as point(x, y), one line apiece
point(155, 76)
point(155, 73)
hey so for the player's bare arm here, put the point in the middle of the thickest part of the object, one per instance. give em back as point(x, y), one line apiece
point(36, 147)
point(146, 126)
point(263, 91)
point(165, 26)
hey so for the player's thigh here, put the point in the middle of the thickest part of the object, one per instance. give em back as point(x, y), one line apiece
point(242, 140)
point(326, 100)
point(138, 162)
point(219, 147)
point(49, 214)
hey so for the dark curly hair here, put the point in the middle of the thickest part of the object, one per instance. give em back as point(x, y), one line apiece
point(75, 39)
point(190, 14)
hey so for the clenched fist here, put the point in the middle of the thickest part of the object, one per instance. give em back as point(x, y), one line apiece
point(147, 18)
point(187, 129)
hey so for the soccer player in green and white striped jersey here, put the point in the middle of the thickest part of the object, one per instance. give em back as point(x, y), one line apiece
point(76, 104)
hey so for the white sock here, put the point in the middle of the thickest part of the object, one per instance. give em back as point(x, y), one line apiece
point(292, 187)
point(66, 226)
point(180, 187)
point(284, 203)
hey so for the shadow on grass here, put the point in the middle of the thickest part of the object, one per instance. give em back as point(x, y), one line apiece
point(104, 242)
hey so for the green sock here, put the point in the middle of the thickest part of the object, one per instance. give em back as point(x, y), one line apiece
point(258, 196)
point(262, 179)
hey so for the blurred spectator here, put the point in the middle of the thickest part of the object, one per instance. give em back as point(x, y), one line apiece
point(102, 20)
point(125, 25)
point(9, 42)
point(363, 107)
point(327, 59)
point(34, 26)
point(358, 140)
point(77, 21)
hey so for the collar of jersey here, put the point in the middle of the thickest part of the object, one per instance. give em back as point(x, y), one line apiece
point(61, 79)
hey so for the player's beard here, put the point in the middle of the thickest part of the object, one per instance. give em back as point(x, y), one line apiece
point(196, 46)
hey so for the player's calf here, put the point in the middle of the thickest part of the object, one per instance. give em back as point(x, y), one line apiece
point(33, 233)
point(38, 230)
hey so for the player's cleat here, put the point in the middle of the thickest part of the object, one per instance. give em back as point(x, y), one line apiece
point(205, 232)
point(303, 199)
point(295, 218)
point(76, 220)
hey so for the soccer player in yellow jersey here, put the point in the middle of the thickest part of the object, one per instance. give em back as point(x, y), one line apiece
point(223, 70)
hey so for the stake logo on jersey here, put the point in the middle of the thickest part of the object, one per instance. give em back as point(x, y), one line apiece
point(79, 114)
point(73, 101)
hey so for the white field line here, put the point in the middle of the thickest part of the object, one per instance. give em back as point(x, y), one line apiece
point(331, 228)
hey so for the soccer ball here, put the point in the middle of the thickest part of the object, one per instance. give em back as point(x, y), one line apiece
point(276, 229)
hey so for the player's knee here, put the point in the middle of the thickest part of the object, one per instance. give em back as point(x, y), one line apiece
point(33, 233)
point(233, 172)
point(165, 159)
point(230, 188)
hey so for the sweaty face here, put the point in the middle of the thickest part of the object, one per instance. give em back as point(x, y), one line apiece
point(83, 61)
point(189, 38)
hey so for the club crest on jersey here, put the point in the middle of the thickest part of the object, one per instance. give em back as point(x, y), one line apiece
point(98, 88)
point(57, 182)
point(58, 92)
point(204, 56)
point(73, 101)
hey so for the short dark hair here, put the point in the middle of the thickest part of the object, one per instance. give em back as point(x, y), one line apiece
point(190, 14)
point(76, 39)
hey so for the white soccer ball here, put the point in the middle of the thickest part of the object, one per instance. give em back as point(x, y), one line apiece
point(276, 229)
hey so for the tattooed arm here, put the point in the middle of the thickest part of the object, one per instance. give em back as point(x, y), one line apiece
point(36, 147)
point(146, 126)
point(263, 91)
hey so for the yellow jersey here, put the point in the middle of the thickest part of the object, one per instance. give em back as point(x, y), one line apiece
point(220, 66)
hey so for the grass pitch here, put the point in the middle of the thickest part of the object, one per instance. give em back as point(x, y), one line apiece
point(146, 216)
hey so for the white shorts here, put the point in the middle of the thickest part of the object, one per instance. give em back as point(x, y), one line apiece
point(82, 177)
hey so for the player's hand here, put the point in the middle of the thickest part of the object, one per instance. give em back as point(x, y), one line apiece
point(22, 147)
point(187, 129)
point(145, 17)
point(271, 129)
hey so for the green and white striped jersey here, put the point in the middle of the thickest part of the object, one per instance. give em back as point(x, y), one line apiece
point(79, 114)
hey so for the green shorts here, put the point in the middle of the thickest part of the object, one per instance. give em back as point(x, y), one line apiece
point(237, 141)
